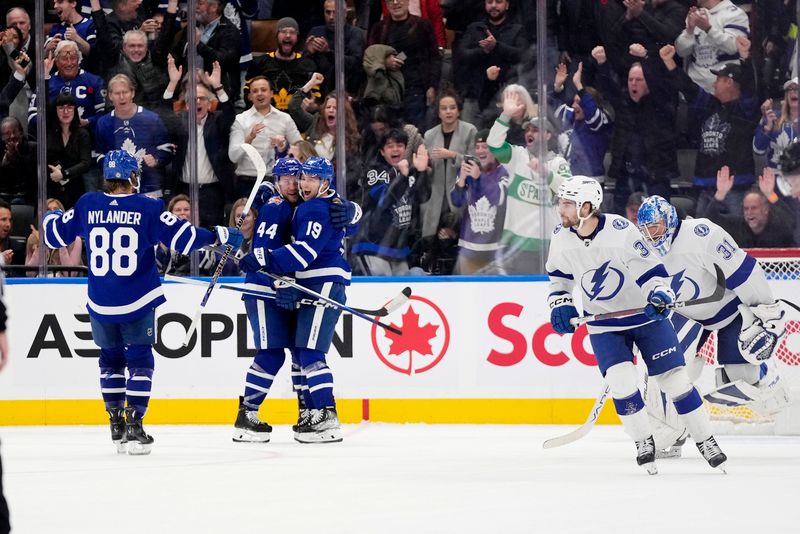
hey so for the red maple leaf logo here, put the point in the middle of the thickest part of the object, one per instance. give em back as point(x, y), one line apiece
point(415, 338)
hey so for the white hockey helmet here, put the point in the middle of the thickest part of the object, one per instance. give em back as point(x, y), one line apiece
point(582, 189)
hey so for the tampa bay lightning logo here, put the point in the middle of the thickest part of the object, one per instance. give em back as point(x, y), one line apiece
point(701, 230)
point(620, 224)
point(602, 283)
point(685, 288)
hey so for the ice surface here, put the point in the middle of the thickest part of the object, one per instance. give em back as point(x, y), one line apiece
point(391, 479)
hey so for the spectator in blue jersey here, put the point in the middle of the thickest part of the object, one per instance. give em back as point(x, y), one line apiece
point(480, 191)
point(136, 130)
point(122, 229)
point(88, 89)
point(776, 131)
point(586, 125)
point(72, 26)
point(69, 151)
point(5, 526)
point(314, 257)
point(392, 191)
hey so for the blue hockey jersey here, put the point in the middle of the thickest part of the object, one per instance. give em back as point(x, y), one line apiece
point(272, 230)
point(88, 90)
point(120, 233)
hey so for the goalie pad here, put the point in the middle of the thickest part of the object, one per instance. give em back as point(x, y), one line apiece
point(667, 427)
point(762, 325)
point(767, 397)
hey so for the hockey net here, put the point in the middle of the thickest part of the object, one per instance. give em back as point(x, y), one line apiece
point(782, 268)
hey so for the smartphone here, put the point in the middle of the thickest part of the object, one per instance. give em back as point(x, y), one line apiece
point(402, 56)
point(472, 159)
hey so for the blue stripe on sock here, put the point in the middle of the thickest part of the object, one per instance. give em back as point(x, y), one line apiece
point(688, 403)
point(629, 405)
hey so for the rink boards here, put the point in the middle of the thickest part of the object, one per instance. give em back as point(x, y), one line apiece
point(475, 350)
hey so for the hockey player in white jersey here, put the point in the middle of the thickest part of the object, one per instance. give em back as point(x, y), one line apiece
point(748, 320)
point(606, 257)
point(121, 229)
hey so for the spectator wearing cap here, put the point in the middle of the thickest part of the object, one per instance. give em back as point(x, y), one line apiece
point(632, 206)
point(644, 142)
point(287, 69)
point(480, 191)
point(218, 40)
point(417, 58)
point(708, 42)
point(586, 125)
point(727, 120)
point(447, 143)
point(775, 133)
point(764, 222)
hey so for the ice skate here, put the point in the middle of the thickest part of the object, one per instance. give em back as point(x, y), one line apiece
point(248, 428)
point(674, 450)
point(139, 442)
point(646, 455)
point(323, 427)
point(116, 419)
point(712, 453)
point(303, 417)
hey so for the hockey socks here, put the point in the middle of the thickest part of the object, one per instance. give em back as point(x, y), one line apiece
point(690, 409)
point(139, 385)
point(318, 377)
point(633, 416)
point(260, 376)
point(112, 387)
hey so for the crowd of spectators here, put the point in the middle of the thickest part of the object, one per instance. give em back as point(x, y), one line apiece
point(692, 100)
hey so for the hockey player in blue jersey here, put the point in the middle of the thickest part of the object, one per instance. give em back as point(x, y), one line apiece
point(606, 257)
point(315, 257)
point(748, 320)
point(121, 229)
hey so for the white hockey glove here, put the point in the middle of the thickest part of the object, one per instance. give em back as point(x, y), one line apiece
point(762, 325)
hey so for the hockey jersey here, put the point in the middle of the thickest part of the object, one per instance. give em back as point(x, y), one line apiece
point(699, 244)
point(120, 232)
point(613, 268)
point(88, 90)
point(272, 230)
point(316, 253)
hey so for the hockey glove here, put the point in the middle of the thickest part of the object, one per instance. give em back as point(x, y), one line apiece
point(344, 213)
point(286, 296)
point(229, 236)
point(762, 325)
point(253, 262)
point(57, 212)
point(265, 191)
point(658, 300)
point(561, 311)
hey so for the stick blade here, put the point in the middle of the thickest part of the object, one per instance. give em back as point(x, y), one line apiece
point(568, 438)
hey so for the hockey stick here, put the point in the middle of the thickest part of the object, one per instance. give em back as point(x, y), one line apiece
point(719, 292)
point(400, 299)
point(333, 303)
point(261, 172)
point(585, 428)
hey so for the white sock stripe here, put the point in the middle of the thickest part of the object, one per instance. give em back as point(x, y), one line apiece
point(318, 372)
point(108, 377)
point(135, 393)
point(112, 390)
point(260, 374)
point(141, 378)
point(321, 386)
point(256, 387)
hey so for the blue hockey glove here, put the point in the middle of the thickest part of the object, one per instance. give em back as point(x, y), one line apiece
point(342, 213)
point(58, 212)
point(286, 296)
point(561, 311)
point(229, 236)
point(264, 193)
point(659, 298)
point(249, 263)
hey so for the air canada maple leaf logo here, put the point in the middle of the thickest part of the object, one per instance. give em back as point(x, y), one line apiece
point(423, 343)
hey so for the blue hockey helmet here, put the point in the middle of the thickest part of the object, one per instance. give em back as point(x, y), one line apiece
point(323, 168)
point(653, 211)
point(119, 165)
point(287, 167)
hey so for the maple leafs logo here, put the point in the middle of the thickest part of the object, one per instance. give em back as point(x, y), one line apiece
point(421, 342)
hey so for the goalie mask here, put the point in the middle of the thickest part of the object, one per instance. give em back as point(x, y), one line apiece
point(121, 165)
point(582, 189)
point(657, 220)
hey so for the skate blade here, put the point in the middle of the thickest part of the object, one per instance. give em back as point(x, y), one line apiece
point(138, 449)
point(246, 436)
point(723, 467)
point(121, 445)
point(333, 435)
point(650, 468)
point(671, 452)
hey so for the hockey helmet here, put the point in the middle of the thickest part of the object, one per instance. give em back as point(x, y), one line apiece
point(287, 167)
point(654, 210)
point(323, 168)
point(120, 165)
point(582, 189)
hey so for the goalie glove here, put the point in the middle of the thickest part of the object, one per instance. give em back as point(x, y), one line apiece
point(561, 311)
point(762, 325)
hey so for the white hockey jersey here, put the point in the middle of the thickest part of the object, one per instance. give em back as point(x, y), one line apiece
point(613, 268)
point(697, 245)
